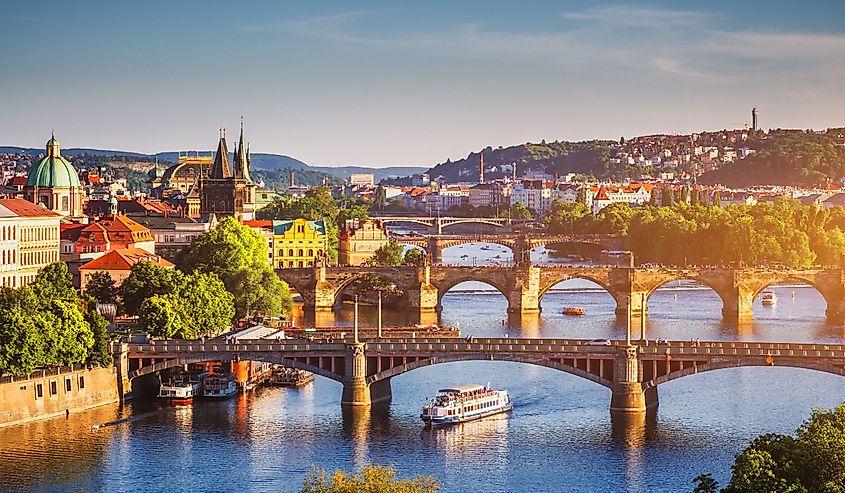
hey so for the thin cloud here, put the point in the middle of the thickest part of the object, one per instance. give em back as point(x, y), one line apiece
point(640, 17)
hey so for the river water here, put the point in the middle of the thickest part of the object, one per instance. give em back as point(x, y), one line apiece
point(559, 437)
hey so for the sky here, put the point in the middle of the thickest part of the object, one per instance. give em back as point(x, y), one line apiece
point(387, 83)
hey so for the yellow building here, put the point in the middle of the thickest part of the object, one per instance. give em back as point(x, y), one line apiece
point(359, 240)
point(299, 242)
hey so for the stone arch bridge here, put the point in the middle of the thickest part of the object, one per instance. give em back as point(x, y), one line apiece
point(524, 285)
point(521, 245)
point(632, 372)
point(436, 224)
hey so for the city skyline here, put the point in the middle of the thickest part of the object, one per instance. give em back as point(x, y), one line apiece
point(392, 85)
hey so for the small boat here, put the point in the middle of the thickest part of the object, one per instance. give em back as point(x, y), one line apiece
point(769, 298)
point(465, 403)
point(290, 377)
point(574, 310)
point(219, 386)
point(179, 391)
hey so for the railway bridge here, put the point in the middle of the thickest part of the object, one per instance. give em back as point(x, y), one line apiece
point(631, 370)
point(524, 285)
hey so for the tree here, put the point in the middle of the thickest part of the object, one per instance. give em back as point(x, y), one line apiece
point(717, 199)
point(581, 198)
point(380, 199)
point(162, 315)
point(21, 341)
point(101, 288)
point(71, 338)
point(812, 461)
point(519, 211)
point(414, 256)
point(100, 354)
point(654, 198)
point(207, 305)
point(238, 255)
point(705, 484)
point(54, 282)
point(145, 280)
point(388, 255)
point(695, 197)
point(683, 197)
point(667, 198)
point(372, 479)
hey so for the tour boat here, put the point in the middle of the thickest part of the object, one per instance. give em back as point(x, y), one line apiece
point(290, 377)
point(574, 310)
point(179, 392)
point(465, 403)
point(769, 298)
point(219, 386)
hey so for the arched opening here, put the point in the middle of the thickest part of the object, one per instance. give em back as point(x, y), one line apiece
point(579, 308)
point(569, 253)
point(478, 253)
point(793, 309)
point(684, 309)
point(486, 303)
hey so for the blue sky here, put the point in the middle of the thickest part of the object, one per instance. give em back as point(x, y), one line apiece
point(380, 83)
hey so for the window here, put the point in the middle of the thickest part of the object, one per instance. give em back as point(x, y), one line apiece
point(68, 385)
point(290, 252)
point(54, 387)
point(39, 390)
point(310, 252)
point(300, 264)
point(81, 382)
point(300, 254)
point(65, 204)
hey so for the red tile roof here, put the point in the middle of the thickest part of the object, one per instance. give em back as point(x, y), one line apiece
point(25, 208)
point(124, 259)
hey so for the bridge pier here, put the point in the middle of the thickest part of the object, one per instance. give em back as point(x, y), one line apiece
point(435, 250)
point(628, 395)
point(524, 296)
point(356, 391)
point(120, 360)
point(737, 306)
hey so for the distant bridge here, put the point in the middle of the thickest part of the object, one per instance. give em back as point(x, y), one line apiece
point(436, 224)
point(524, 285)
point(632, 372)
point(520, 244)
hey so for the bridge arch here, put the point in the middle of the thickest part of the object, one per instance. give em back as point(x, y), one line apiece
point(444, 287)
point(554, 281)
point(699, 280)
point(783, 362)
point(229, 356)
point(827, 294)
point(346, 283)
point(445, 223)
point(504, 357)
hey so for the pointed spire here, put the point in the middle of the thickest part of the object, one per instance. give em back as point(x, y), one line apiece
point(242, 157)
point(221, 168)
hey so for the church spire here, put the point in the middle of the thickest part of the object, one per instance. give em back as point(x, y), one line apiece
point(221, 168)
point(242, 157)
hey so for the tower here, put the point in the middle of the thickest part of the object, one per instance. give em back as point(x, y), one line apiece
point(754, 119)
point(229, 190)
point(481, 168)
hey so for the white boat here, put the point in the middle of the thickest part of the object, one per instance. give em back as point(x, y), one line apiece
point(465, 403)
point(769, 298)
point(219, 386)
point(179, 392)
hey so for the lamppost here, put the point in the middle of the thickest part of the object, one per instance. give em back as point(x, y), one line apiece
point(355, 320)
point(379, 314)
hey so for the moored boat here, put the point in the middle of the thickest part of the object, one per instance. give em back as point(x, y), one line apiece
point(179, 392)
point(290, 377)
point(465, 403)
point(769, 298)
point(219, 386)
point(574, 310)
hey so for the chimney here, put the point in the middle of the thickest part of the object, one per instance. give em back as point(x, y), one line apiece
point(481, 167)
point(292, 182)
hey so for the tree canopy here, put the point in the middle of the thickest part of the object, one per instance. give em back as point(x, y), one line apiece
point(812, 461)
point(371, 479)
point(238, 255)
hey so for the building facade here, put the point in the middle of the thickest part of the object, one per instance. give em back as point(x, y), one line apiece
point(359, 240)
point(118, 264)
point(299, 242)
point(29, 240)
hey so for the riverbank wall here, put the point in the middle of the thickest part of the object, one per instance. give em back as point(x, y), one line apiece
point(56, 392)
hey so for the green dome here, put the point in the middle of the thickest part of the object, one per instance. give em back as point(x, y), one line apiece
point(53, 172)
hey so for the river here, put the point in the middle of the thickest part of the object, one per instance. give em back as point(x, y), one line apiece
point(559, 437)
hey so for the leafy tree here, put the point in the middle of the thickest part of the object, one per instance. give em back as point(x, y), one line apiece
point(717, 199)
point(654, 198)
point(667, 198)
point(388, 255)
point(21, 341)
point(695, 197)
point(162, 315)
point(54, 282)
point(101, 288)
point(519, 211)
point(100, 354)
point(683, 197)
point(581, 198)
point(380, 199)
point(372, 479)
point(239, 256)
point(145, 280)
point(207, 304)
point(71, 338)
point(414, 256)
point(705, 484)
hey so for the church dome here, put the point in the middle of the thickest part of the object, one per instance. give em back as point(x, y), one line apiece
point(53, 171)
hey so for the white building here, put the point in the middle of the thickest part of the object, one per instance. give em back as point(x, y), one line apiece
point(29, 240)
